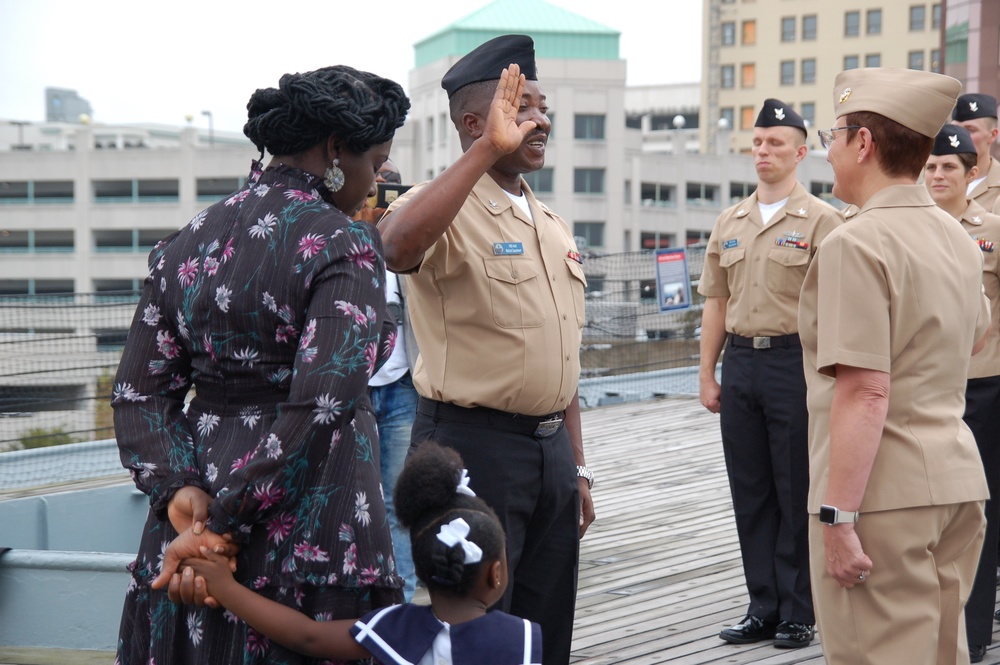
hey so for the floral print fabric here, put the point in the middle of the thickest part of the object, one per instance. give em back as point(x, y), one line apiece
point(269, 308)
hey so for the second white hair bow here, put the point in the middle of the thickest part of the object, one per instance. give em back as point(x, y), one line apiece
point(463, 484)
point(454, 533)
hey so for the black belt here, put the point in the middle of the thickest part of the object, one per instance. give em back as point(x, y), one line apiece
point(759, 343)
point(537, 426)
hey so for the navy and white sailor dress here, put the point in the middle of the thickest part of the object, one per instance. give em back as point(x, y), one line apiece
point(411, 635)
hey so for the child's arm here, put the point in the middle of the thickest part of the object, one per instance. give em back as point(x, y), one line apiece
point(292, 629)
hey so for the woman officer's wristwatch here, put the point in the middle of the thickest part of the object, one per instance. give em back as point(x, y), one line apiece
point(830, 516)
point(587, 474)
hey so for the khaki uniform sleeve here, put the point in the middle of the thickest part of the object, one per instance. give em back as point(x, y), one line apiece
point(853, 326)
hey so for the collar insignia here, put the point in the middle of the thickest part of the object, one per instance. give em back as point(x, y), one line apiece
point(802, 211)
point(741, 212)
point(845, 95)
point(977, 220)
point(494, 204)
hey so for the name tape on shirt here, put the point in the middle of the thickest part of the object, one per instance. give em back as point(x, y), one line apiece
point(507, 248)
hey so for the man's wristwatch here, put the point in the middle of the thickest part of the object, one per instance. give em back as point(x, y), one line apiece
point(584, 472)
point(831, 516)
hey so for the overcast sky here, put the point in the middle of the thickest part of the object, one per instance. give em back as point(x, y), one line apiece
point(142, 61)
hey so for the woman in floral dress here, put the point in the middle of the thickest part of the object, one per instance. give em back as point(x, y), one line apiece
point(269, 308)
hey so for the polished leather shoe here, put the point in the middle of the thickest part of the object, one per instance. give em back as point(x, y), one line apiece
point(791, 635)
point(751, 629)
point(977, 652)
point(996, 615)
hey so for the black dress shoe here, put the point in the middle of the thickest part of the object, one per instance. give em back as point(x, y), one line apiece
point(996, 615)
point(751, 629)
point(977, 652)
point(791, 635)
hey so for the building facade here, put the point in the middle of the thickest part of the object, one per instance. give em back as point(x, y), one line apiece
point(792, 51)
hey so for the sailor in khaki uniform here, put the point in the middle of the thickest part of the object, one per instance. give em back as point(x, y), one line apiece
point(755, 262)
point(891, 311)
point(495, 295)
point(950, 168)
point(978, 114)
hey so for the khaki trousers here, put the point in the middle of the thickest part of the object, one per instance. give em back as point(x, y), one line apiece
point(910, 609)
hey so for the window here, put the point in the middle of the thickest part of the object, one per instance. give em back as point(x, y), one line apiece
point(936, 17)
point(809, 70)
point(740, 190)
point(131, 191)
point(809, 27)
point(158, 190)
point(749, 33)
point(52, 191)
point(111, 290)
point(873, 60)
point(808, 113)
point(729, 115)
point(653, 240)
point(430, 131)
point(823, 190)
point(852, 24)
point(588, 127)
point(915, 60)
point(748, 75)
point(212, 189)
point(588, 181)
point(591, 232)
point(52, 241)
point(128, 240)
point(788, 29)
point(539, 181)
point(15, 241)
point(874, 21)
point(748, 116)
point(936, 60)
point(918, 16)
point(787, 72)
point(850, 62)
point(728, 76)
point(700, 193)
point(657, 194)
point(729, 34)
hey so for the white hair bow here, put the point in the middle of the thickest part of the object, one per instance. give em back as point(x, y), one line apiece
point(454, 533)
point(463, 484)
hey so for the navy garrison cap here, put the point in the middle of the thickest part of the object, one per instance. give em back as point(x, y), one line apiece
point(953, 140)
point(776, 113)
point(487, 61)
point(970, 107)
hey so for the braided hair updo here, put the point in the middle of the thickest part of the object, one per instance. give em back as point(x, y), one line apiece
point(425, 499)
point(360, 108)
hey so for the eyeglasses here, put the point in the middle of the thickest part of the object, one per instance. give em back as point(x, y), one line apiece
point(826, 136)
point(391, 177)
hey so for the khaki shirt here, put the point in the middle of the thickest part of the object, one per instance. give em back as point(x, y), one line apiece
point(987, 192)
point(497, 307)
point(984, 228)
point(760, 268)
point(898, 289)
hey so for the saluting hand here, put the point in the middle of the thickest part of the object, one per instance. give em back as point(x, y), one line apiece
point(501, 129)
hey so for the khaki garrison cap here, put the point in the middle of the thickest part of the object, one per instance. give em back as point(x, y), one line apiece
point(921, 101)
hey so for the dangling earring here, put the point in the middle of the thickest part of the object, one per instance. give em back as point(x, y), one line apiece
point(334, 177)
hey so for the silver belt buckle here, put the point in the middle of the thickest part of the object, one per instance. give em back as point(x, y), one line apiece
point(762, 342)
point(548, 427)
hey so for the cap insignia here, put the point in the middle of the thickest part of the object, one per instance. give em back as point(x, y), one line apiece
point(779, 114)
point(953, 140)
point(844, 95)
point(973, 106)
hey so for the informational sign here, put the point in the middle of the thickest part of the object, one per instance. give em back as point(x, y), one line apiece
point(673, 285)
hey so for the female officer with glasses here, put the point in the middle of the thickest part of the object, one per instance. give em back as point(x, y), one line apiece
point(890, 312)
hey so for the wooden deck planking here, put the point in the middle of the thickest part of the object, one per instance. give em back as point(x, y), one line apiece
point(660, 569)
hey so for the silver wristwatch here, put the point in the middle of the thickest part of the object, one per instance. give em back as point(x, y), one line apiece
point(584, 472)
